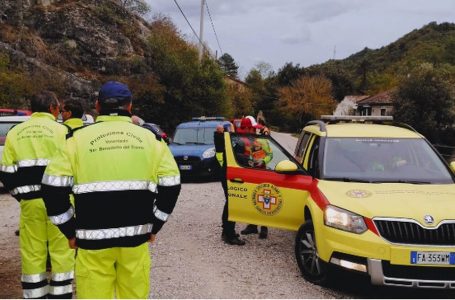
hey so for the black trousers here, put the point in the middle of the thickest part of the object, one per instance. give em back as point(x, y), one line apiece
point(228, 226)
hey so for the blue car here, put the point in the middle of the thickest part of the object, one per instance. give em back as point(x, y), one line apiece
point(194, 149)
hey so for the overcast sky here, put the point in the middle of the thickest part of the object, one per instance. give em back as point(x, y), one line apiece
point(304, 32)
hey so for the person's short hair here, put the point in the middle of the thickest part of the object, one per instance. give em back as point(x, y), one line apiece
point(75, 107)
point(42, 101)
point(114, 95)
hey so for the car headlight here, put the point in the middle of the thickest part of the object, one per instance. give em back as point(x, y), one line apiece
point(345, 220)
point(209, 153)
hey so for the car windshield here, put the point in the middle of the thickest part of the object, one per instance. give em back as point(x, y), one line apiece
point(202, 136)
point(383, 160)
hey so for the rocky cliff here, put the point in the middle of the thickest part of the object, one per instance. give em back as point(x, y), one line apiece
point(79, 42)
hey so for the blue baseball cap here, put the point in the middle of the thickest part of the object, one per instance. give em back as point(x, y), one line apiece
point(114, 92)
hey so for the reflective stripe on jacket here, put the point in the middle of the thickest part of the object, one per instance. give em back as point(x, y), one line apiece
point(125, 184)
point(29, 146)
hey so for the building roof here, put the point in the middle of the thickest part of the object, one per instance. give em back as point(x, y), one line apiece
point(355, 98)
point(379, 99)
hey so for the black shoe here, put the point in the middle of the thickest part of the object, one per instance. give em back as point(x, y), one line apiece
point(250, 229)
point(16, 232)
point(233, 241)
point(224, 235)
point(264, 232)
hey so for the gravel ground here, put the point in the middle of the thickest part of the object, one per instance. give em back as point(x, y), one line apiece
point(189, 260)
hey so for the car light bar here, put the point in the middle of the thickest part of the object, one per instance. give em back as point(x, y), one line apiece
point(356, 118)
point(204, 118)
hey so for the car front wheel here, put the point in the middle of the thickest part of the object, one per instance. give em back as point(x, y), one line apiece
point(311, 266)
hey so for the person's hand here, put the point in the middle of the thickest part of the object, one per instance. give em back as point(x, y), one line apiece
point(152, 238)
point(259, 163)
point(72, 243)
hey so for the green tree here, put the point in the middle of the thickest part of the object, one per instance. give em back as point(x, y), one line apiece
point(263, 89)
point(257, 86)
point(228, 65)
point(265, 69)
point(425, 100)
point(240, 101)
point(289, 73)
point(363, 70)
point(342, 84)
point(184, 86)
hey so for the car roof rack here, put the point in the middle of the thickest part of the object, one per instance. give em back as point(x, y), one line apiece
point(401, 125)
point(356, 119)
point(204, 118)
point(385, 120)
point(317, 122)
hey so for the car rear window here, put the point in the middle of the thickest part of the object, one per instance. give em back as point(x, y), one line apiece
point(4, 128)
point(201, 136)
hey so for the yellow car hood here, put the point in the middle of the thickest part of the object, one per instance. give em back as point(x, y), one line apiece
point(393, 200)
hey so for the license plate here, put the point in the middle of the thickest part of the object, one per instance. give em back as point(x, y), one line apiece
point(432, 258)
point(185, 167)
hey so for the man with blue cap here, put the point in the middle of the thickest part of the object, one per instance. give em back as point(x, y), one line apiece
point(125, 183)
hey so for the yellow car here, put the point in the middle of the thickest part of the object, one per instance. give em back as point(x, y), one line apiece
point(364, 194)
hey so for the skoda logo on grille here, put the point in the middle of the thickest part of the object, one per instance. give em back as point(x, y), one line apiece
point(428, 219)
point(185, 157)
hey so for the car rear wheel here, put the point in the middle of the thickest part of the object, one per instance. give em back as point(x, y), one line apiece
point(311, 266)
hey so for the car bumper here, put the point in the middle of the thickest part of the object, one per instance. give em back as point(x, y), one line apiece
point(201, 168)
point(386, 263)
point(397, 276)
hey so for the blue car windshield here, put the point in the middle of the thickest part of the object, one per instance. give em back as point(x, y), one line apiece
point(200, 136)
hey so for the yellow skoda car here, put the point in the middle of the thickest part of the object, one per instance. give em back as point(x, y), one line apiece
point(364, 194)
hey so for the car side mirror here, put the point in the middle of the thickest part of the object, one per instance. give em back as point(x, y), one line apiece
point(288, 167)
point(452, 166)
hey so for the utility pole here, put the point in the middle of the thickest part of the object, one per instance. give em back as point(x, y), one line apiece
point(201, 31)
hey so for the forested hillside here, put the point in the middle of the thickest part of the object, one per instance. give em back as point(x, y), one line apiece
point(375, 70)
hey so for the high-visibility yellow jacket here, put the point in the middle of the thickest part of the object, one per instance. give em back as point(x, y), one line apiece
point(74, 123)
point(125, 184)
point(28, 148)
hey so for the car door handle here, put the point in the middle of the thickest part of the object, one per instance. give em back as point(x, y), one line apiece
point(238, 180)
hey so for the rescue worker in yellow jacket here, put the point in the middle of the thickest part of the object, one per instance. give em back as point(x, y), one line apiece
point(72, 113)
point(125, 183)
point(28, 149)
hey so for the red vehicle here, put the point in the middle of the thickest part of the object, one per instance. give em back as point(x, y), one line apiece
point(4, 112)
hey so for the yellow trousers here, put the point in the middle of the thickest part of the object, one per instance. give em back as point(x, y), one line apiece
point(121, 272)
point(38, 237)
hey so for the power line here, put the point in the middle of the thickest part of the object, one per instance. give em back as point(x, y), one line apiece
point(194, 32)
point(213, 27)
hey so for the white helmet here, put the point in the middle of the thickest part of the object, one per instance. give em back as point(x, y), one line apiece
point(253, 121)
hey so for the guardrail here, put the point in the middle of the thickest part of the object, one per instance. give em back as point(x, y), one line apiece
point(448, 152)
